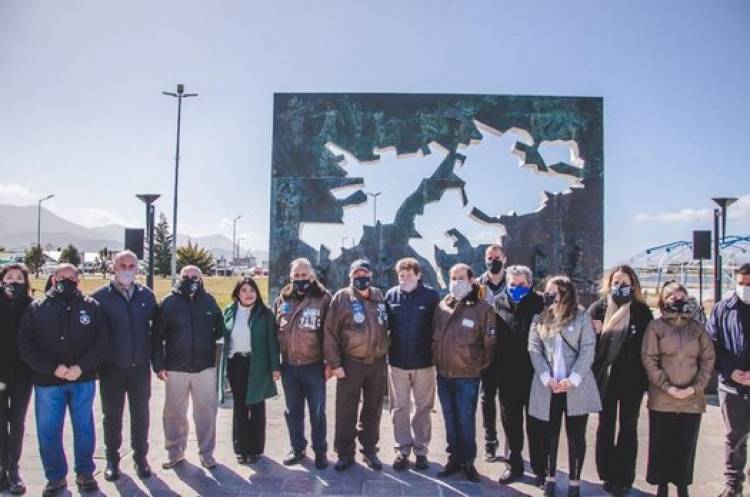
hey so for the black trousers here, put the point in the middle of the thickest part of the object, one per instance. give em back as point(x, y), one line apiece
point(736, 412)
point(672, 442)
point(575, 429)
point(617, 449)
point(114, 385)
point(489, 398)
point(514, 407)
point(248, 421)
point(14, 402)
point(368, 382)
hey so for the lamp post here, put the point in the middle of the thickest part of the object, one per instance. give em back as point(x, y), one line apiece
point(149, 199)
point(234, 241)
point(720, 213)
point(374, 206)
point(39, 220)
point(179, 96)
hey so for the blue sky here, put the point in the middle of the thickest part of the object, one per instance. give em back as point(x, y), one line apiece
point(81, 113)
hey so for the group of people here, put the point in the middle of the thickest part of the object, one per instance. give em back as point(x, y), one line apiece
point(537, 354)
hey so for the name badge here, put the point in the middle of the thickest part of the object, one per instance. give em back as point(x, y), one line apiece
point(310, 319)
point(468, 323)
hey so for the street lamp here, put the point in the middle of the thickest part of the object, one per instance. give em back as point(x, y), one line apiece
point(721, 212)
point(179, 96)
point(149, 199)
point(39, 220)
point(374, 206)
point(234, 241)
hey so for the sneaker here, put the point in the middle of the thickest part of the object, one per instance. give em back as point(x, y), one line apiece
point(54, 486)
point(401, 462)
point(422, 463)
point(16, 485)
point(171, 463)
point(490, 450)
point(372, 461)
point(208, 462)
point(86, 483)
point(294, 457)
point(510, 475)
point(112, 472)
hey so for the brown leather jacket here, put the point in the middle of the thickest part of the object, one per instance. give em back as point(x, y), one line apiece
point(464, 335)
point(356, 328)
point(678, 352)
point(300, 324)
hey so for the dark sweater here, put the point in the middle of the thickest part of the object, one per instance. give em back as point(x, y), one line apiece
point(11, 313)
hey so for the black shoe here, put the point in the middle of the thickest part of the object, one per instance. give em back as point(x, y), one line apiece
point(574, 491)
point(510, 475)
point(539, 481)
point(321, 460)
point(53, 487)
point(450, 468)
point(422, 463)
point(252, 458)
point(112, 473)
point(344, 462)
point(372, 461)
point(294, 457)
point(607, 486)
point(490, 451)
point(662, 490)
point(549, 489)
point(15, 483)
point(401, 462)
point(86, 483)
point(682, 491)
point(142, 469)
point(241, 458)
point(471, 473)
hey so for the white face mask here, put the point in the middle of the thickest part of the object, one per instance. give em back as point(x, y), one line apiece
point(408, 284)
point(125, 277)
point(460, 289)
point(743, 292)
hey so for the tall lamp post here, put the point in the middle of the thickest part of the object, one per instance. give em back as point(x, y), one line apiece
point(179, 96)
point(720, 213)
point(374, 206)
point(39, 220)
point(234, 241)
point(149, 199)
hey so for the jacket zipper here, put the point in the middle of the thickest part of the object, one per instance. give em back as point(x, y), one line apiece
point(192, 335)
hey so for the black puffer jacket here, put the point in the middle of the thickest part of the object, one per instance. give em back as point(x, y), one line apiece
point(410, 322)
point(11, 312)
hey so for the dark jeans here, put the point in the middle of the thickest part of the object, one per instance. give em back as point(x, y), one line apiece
point(114, 385)
point(513, 410)
point(458, 398)
point(248, 422)
point(305, 383)
point(575, 429)
point(490, 393)
point(14, 402)
point(672, 442)
point(368, 382)
point(50, 404)
point(617, 450)
point(736, 412)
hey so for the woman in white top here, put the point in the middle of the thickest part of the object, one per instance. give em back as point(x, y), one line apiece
point(562, 345)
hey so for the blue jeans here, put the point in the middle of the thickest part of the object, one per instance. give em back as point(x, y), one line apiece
point(458, 398)
point(50, 403)
point(302, 383)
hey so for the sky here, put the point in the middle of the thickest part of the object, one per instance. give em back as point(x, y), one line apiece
point(82, 115)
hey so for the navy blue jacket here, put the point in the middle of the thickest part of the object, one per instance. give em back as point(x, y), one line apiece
point(726, 330)
point(410, 321)
point(55, 332)
point(129, 324)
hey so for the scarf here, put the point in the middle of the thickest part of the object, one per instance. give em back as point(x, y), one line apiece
point(614, 332)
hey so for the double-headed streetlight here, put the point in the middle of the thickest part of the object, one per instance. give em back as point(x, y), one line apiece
point(179, 95)
point(720, 214)
point(39, 219)
point(374, 206)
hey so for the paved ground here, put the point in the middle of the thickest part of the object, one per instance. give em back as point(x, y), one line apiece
point(269, 477)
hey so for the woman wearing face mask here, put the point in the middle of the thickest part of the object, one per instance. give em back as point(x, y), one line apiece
point(251, 362)
point(620, 318)
point(679, 358)
point(562, 345)
point(15, 376)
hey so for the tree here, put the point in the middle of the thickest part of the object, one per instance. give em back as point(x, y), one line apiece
point(102, 262)
point(193, 255)
point(71, 255)
point(34, 258)
point(162, 247)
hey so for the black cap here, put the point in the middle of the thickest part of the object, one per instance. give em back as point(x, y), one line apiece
point(360, 264)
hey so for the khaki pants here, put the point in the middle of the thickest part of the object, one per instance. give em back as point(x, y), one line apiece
point(415, 433)
point(201, 389)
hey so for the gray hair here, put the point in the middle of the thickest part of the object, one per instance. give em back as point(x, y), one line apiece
point(304, 262)
point(520, 270)
point(190, 267)
point(123, 255)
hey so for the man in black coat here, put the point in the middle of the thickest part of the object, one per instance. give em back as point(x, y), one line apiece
point(130, 309)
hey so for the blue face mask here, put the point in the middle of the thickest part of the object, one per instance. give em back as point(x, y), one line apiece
point(517, 293)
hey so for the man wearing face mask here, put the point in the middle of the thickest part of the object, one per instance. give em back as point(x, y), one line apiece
point(355, 344)
point(411, 306)
point(463, 342)
point(188, 324)
point(300, 312)
point(492, 284)
point(64, 338)
point(729, 328)
point(130, 308)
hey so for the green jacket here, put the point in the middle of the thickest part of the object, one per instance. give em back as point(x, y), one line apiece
point(264, 355)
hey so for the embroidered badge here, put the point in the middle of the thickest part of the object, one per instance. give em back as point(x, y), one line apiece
point(359, 317)
point(84, 318)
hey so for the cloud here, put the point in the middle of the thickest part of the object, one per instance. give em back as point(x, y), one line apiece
point(93, 218)
point(739, 211)
point(14, 194)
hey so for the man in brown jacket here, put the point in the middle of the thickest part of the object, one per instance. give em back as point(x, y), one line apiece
point(300, 312)
point(462, 345)
point(355, 345)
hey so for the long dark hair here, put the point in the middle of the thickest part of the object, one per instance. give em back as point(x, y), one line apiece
point(567, 307)
point(635, 283)
point(247, 280)
point(20, 267)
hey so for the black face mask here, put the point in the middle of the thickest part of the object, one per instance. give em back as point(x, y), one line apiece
point(361, 283)
point(494, 266)
point(622, 294)
point(677, 305)
point(189, 286)
point(66, 289)
point(15, 290)
point(301, 286)
point(549, 298)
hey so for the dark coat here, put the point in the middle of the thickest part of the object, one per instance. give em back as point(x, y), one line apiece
point(727, 331)
point(11, 313)
point(55, 332)
point(129, 324)
point(410, 322)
